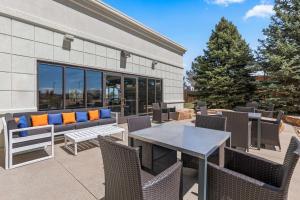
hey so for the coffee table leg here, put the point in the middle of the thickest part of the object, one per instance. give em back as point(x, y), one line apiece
point(75, 148)
point(202, 179)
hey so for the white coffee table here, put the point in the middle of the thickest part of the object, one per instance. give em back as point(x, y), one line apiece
point(90, 133)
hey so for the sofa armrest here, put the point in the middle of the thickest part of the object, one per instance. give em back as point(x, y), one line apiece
point(31, 128)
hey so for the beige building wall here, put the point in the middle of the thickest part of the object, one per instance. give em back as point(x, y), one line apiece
point(32, 31)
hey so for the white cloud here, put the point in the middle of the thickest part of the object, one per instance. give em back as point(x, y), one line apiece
point(262, 10)
point(225, 2)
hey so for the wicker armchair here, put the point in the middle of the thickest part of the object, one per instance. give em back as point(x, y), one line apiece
point(244, 109)
point(159, 114)
point(249, 177)
point(240, 127)
point(269, 131)
point(124, 178)
point(153, 158)
point(211, 122)
point(171, 110)
point(265, 113)
point(252, 104)
point(199, 105)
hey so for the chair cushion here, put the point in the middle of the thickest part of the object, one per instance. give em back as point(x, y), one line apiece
point(93, 115)
point(22, 123)
point(39, 120)
point(64, 127)
point(107, 121)
point(86, 124)
point(81, 116)
point(69, 118)
point(55, 119)
point(105, 113)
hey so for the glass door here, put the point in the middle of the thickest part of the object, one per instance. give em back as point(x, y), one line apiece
point(130, 96)
point(151, 94)
point(142, 96)
point(113, 92)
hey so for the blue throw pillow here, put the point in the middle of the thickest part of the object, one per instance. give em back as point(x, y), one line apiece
point(81, 116)
point(23, 124)
point(55, 119)
point(105, 113)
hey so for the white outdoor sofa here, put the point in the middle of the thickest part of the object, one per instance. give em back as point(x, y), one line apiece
point(42, 136)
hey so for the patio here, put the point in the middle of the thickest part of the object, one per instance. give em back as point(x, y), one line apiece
point(82, 177)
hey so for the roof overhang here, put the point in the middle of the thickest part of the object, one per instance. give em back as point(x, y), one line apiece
point(116, 18)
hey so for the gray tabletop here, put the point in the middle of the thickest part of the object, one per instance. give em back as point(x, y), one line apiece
point(199, 142)
point(254, 115)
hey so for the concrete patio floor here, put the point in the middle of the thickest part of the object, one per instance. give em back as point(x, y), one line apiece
point(81, 177)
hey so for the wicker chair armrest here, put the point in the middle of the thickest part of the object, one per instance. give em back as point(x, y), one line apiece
point(253, 166)
point(166, 185)
point(233, 185)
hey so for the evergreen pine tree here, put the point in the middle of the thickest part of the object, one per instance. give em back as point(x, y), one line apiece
point(279, 57)
point(222, 74)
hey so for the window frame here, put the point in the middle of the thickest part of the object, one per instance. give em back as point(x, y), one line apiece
point(85, 69)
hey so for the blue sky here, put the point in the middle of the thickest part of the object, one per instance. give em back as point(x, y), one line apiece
point(190, 22)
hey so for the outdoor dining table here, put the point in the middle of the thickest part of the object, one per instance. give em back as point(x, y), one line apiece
point(186, 138)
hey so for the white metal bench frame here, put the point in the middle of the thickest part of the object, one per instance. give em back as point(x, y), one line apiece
point(9, 141)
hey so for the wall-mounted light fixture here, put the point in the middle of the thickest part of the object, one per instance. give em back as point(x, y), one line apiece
point(68, 39)
point(123, 59)
point(154, 63)
point(125, 54)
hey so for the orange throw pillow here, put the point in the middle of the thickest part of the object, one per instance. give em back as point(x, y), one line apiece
point(93, 115)
point(69, 118)
point(39, 120)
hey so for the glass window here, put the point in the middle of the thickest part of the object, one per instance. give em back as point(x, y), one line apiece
point(151, 94)
point(74, 88)
point(50, 87)
point(113, 92)
point(142, 100)
point(94, 88)
point(158, 91)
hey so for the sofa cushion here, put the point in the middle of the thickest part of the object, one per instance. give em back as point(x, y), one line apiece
point(86, 124)
point(105, 113)
point(107, 121)
point(94, 115)
point(64, 127)
point(69, 118)
point(39, 120)
point(81, 116)
point(28, 115)
point(22, 123)
point(55, 119)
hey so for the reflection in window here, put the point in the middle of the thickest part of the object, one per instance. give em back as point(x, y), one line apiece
point(142, 100)
point(158, 91)
point(94, 88)
point(50, 87)
point(151, 94)
point(74, 88)
point(113, 92)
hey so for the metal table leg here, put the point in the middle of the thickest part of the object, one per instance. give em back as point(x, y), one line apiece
point(202, 179)
point(222, 154)
point(258, 133)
